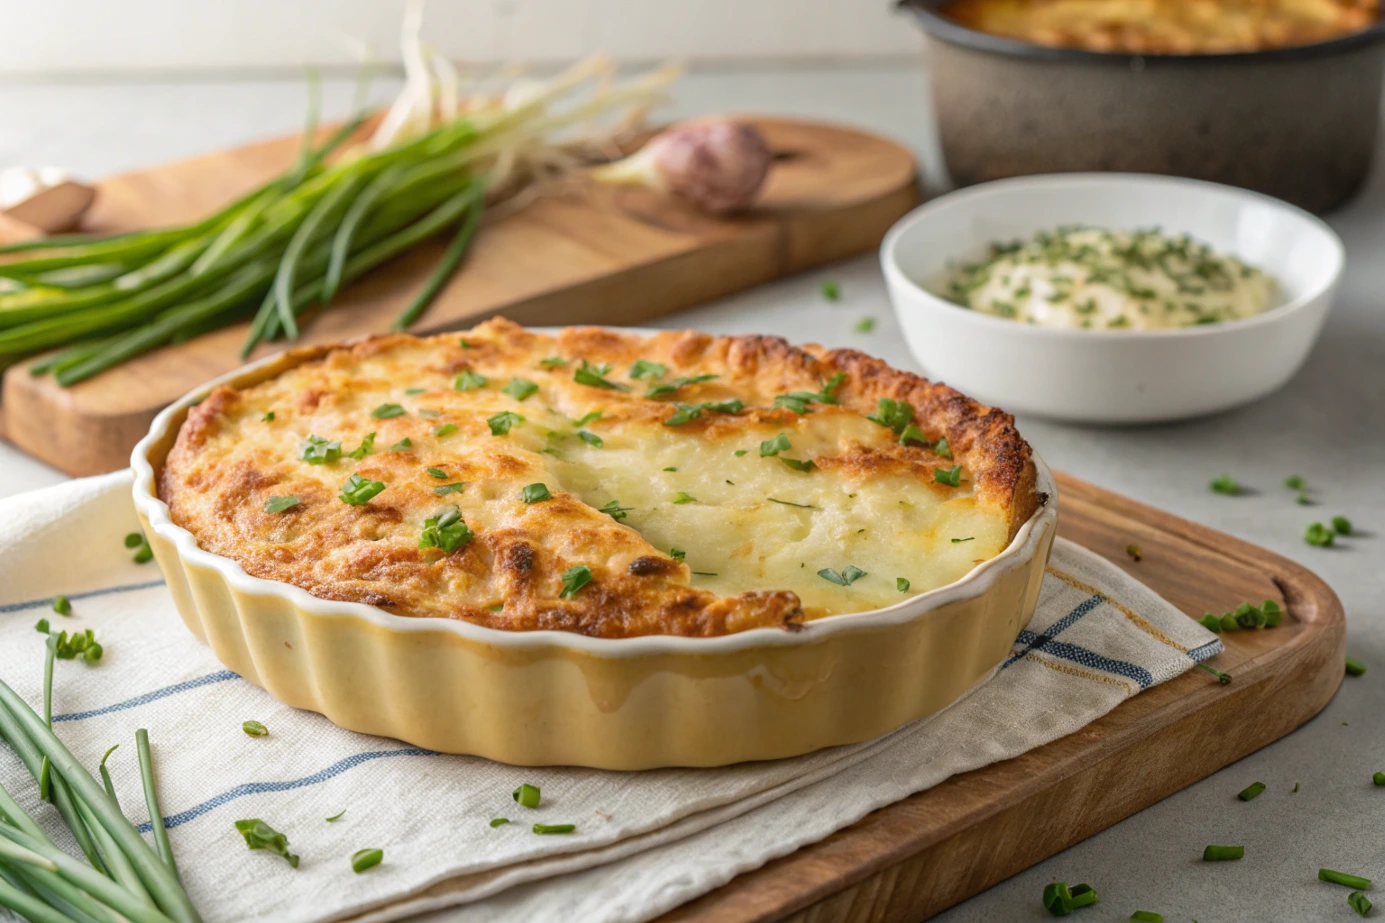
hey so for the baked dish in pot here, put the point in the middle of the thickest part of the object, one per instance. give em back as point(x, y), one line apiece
point(667, 549)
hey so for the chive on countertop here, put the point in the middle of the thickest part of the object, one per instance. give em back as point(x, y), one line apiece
point(1323, 427)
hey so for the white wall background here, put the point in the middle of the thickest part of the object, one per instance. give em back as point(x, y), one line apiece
point(43, 38)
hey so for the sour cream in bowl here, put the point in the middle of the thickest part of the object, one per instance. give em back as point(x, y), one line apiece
point(1111, 298)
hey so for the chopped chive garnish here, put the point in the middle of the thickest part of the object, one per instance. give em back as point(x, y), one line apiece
point(643, 368)
point(670, 387)
point(336, 817)
point(1355, 667)
point(463, 343)
point(943, 448)
point(503, 422)
point(401, 445)
point(134, 539)
point(1223, 853)
point(268, 417)
point(702, 573)
point(1294, 482)
point(414, 392)
point(1303, 499)
point(1319, 535)
point(315, 451)
point(388, 411)
point(901, 584)
point(1222, 678)
point(799, 464)
point(895, 415)
point(1251, 791)
point(277, 504)
point(670, 469)
point(1342, 878)
point(526, 795)
point(62, 605)
point(616, 511)
point(1359, 902)
point(447, 429)
point(848, 575)
point(554, 828)
point(447, 530)
point(1341, 525)
point(1296, 787)
point(864, 325)
point(574, 578)
point(499, 821)
point(446, 489)
point(1378, 778)
point(952, 477)
point(1060, 901)
point(802, 506)
point(1225, 484)
point(1147, 916)
point(254, 729)
point(683, 497)
point(740, 452)
point(552, 362)
point(359, 490)
point(520, 389)
point(685, 413)
point(831, 290)
point(969, 538)
point(81, 644)
point(535, 493)
point(677, 554)
point(912, 433)
point(594, 415)
point(438, 473)
point(590, 438)
point(594, 376)
point(365, 448)
point(259, 835)
point(1211, 622)
point(469, 381)
point(366, 859)
point(774, 446)
point(498, 607)
point(43, 628)
point(1134, 552)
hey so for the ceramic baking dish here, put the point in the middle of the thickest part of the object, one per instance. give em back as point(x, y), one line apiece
point(555, 698)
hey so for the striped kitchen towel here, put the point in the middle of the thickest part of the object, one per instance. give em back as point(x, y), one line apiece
point(645, 842)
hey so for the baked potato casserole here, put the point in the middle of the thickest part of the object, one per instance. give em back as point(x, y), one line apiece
point(600, 482)
point(1167, 26)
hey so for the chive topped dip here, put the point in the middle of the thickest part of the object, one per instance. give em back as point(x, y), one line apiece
point(1083, 277)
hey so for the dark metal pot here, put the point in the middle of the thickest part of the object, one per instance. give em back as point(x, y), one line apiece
point(1296, 123)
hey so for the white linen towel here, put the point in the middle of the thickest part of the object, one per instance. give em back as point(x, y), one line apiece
point(645, 842)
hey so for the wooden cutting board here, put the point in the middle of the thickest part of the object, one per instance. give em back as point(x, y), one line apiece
point(608, 256)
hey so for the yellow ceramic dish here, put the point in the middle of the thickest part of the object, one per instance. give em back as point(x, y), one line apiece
point(556, 698)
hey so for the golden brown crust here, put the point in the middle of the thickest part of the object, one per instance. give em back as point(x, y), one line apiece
point(228, 461)
point(1167, 26)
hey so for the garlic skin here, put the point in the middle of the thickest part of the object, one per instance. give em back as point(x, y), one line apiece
point(715, 165)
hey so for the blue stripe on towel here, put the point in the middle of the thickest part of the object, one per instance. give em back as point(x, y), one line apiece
point(1033, 641)
point(259, 788)
point(220, 676)
point(1207, 651)
point(1080, 655)
point(38, 603)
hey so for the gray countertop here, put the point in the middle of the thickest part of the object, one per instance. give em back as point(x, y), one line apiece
point(1328, 424)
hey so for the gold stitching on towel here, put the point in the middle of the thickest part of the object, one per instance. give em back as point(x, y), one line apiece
point(1137, 620)
point(1128, 685)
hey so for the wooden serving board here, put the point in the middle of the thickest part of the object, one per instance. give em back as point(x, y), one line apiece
point(906, 862)
point(606, 256)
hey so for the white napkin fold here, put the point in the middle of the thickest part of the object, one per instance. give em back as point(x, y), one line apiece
point(645, 842)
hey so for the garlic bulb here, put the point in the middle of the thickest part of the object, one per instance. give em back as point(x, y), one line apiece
point(715, 165)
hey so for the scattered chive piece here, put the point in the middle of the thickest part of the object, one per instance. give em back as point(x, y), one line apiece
point(1355, 667)
point(901, 584)
point(678, 554)
point(831, 290)
point(1059, 901)
point(314, 451)
point(552, 362)
point(401, 445)
point(739, 452)
point(268, 417)
point(799, 464)
point(536, 493)
point(469, 381)
point(1222, 678)
point(42, 627)
point(526, 795)
point(774, 446)
point(1134, 551)
point(616, 511)
point(1342, 878)
point(1294, 482)
point(594, 415)
point(1302, 499)
point(1296, 786)
point(279, 504)
point(358, 490)
point(912, 433)
point(952, 477)
point(447, 530)
point(1224, 854)
point(594, 376)
point(438, 473)
point(864, 325)
point(520, 389)
point(969, 538)
point(671, 387)
point(81, 644)
point(943, 448)
point(684, 413)
point(574, 578)
point(365, 448)
point(463, 343)
point(62, 605)
point(643, 368)
point(802, 506)
point(134, 539)
point(1319, 535)
point(366, 859)
point(554, 828)
point(683, 497)
point(499, 821)
point(1341, 525)
point(670, 469)
point(259, 835)
point(590, 438)
point(1147, 916)
point(1251, 791)
point(1359, 902)
point(254, 729)
point(414, 392)
point(1378, 778)
point(1225, 484)
point(388, 411)
point(702, 573)
point(336, 817)
point(849, 575)
point(893, 414)
point(498, 607)
point(447, 429)
point(502, 422)
point(446, 489)
point(1211, 622)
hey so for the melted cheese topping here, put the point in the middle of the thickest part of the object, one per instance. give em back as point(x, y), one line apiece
point(754, 532)
point(1167, 26)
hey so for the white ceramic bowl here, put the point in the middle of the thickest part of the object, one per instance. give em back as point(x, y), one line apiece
point(1112, 376)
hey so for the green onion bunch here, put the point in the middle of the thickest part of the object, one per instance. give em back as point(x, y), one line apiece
point(123, 877)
